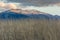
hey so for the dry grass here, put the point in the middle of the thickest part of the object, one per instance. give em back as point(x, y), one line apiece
point(29, 29)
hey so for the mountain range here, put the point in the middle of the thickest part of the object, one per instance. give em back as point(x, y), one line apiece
point(13, 15)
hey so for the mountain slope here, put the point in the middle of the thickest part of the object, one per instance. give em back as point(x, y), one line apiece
point(12, 15)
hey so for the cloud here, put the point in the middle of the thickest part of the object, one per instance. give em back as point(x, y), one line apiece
point(35, 2)
point(3, 5)
point(58, 4)
point(12, 6)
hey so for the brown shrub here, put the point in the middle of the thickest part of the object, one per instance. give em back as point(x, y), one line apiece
point(29, 29)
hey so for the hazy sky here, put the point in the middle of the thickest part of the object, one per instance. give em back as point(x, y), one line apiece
point(48, 6)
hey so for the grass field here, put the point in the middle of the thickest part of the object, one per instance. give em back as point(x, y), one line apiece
point(30, 29)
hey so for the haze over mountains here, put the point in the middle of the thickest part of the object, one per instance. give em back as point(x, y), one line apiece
point(27, 14)
point(54, 10)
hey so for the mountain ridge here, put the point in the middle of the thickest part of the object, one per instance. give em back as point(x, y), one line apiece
point(13, 15)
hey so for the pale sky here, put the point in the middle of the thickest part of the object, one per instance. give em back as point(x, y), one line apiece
point(54, 10)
